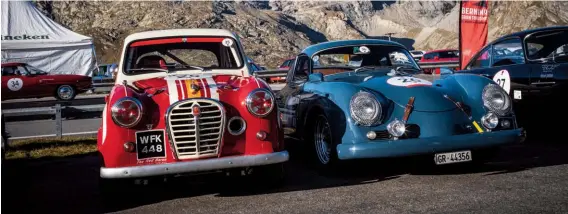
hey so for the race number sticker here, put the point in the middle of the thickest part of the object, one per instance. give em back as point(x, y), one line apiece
point(15, 84)
point(227, 42)
point(408, 82)
point(502, 79)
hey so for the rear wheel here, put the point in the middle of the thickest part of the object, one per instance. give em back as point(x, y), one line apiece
point(65, 93)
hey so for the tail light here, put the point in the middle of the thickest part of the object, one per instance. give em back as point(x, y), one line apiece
point(126, 112)
point(260, 102)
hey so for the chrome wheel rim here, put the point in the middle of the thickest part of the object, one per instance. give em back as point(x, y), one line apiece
point(322, 137)
point(65, 92)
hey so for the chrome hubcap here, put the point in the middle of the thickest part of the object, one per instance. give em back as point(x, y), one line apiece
point(65, 92)
point(322, 137)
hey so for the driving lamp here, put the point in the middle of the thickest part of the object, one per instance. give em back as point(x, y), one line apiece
point(396, 128)
point(490, 120)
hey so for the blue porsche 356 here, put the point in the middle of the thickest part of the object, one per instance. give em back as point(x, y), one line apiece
point(360, 99)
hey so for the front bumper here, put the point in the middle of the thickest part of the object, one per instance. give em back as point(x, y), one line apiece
point(195, 166)
point(408, 147)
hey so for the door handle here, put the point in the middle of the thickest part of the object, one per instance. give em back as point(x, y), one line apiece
point(543, 83)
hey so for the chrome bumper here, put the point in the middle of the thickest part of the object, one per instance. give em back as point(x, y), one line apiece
point(195, 166)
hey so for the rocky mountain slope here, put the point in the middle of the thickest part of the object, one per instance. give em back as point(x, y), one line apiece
point(274, 30)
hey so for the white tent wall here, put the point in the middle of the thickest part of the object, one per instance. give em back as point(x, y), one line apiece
point(60, 60)
point(31, 37)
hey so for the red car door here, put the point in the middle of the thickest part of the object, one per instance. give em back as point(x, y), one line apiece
point(12, 83)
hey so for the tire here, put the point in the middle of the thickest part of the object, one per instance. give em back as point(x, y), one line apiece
point(65, 93)
point(323, 144)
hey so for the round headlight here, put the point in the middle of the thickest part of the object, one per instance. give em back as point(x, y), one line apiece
point(496, 100)
point(260, 102)
point(490, 120)
point(365, 109)
point(126, 112)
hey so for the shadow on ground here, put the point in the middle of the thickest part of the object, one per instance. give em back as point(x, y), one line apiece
point(70, 185)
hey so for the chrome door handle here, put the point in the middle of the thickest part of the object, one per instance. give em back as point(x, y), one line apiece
point(543, 83)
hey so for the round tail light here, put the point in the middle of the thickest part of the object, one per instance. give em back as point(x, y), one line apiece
point(260, 102)
point(126, 112)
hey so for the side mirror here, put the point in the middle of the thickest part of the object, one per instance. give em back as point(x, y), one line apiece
point(446, 71)
point(315, 77)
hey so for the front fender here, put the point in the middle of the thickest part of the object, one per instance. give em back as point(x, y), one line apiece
point(466, 88)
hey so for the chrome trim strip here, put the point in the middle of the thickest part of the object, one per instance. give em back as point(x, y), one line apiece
point(195, 166)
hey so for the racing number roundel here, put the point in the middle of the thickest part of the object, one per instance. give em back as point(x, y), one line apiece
point(15, 84)
point(408, 81)
point(503, 79)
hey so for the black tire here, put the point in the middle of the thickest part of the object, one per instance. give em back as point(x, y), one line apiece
point(323, 144)
point(65, 93)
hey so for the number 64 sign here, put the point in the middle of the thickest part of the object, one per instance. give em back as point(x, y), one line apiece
point(503, 79)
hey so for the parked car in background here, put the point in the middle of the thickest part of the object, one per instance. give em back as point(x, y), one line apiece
point(20, 80)
point(284, 66)
point(417, 55)
point(532, 67)
point(376, 108)
point(188, 104)
point(446, 55)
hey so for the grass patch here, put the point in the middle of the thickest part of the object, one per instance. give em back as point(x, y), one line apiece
point(50, 147)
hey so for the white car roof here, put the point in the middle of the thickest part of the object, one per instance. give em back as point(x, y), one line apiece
point(178, 32)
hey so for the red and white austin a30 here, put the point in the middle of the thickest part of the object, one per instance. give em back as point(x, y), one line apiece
point(185, 102)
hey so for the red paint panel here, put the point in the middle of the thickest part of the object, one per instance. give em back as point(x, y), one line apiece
point(174, 40)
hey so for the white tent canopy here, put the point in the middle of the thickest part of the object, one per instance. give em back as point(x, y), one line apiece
point(29, 36)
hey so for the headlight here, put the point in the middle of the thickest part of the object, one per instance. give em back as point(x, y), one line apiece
point(260, 102)
point(365, 109)
point(496, 99)
point(126, 112)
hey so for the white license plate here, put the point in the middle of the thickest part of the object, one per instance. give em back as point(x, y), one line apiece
point(452, 157)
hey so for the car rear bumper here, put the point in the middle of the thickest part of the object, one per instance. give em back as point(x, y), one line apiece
point(195, 166)
point(408, 147)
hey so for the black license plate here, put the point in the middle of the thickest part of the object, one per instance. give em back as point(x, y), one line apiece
point(150, 144)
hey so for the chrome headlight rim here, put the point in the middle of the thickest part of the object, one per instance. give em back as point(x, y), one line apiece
point(488, 98)
point(377, 115)
point(248, 102)
point(114, 107)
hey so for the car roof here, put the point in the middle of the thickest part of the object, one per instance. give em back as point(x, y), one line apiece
point(523, 34)
point(313, 49)
point(178, 32)
point(13, 64)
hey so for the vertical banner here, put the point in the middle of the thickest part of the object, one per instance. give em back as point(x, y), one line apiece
point(473, 24)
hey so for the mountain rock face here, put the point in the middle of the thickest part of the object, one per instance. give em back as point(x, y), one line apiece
point(274, 30)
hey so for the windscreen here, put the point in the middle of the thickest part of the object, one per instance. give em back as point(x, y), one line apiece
point(174, 54)
point(364, 55)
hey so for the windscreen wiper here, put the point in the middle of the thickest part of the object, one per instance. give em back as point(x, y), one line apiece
point(147, 69)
